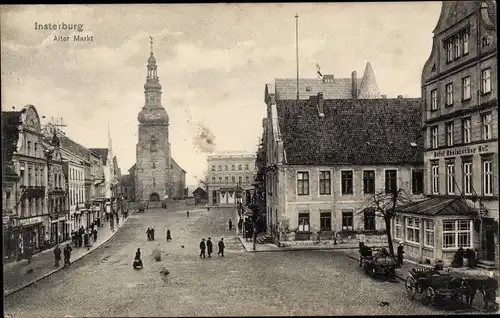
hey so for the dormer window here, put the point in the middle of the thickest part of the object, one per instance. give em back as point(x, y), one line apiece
point(457, 45)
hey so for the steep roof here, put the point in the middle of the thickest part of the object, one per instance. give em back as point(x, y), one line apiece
point(368, 87)
point(177, 165)
point(340, 88)
point(199, 190)
point(132, 168)
point(363, 131)
point(438, 206)
point(101, 152)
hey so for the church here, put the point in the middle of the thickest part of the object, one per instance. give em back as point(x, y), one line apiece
point(157, 176)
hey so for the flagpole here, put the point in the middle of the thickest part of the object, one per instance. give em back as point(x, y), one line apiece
point(297, 52)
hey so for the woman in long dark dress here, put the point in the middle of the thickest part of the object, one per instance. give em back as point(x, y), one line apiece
point(137, 259)
point(169, 237)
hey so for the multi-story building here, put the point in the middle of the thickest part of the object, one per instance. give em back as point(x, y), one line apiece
point(460, 122)
point(228, 174)
point(31, 220)
point(327, 157)
point(97, 193)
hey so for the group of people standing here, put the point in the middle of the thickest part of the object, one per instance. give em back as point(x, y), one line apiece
point(82, 237)
point(67, 255)
point(208, 247)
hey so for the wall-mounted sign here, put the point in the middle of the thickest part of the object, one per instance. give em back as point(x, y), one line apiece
point(30, 221)
point(462, 151)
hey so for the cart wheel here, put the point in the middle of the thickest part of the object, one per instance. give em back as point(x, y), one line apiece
point(411, 286)
point(429, 296)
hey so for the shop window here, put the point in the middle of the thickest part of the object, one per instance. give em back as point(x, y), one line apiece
point(347, 220)
point(413, 230)
point(326, 220)
point(303, 222)
point(457, 233)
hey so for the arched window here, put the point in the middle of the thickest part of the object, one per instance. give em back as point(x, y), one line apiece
point(153, 144)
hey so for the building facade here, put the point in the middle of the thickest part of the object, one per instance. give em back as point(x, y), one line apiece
point(460, 122)
point(97, 194)
point(230, 176)
point(327, 158)
point(157, 176)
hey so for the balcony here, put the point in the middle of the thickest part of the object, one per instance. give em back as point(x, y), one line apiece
point(57, 191)
point(33, 191)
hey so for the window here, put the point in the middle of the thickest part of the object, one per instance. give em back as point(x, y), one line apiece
point(346, 177)
point(154, 183)
point(30, 206)
point(434, 99)
point(413, 230)
point(449, 51)
point(29, 176)
point(487, 177)
point(324, 182)
point(435, 178)
point(21, 175)
point(449, 134)
point(369, 182)
point(35, 146)
point(465, 41)
point(213, 179)
point(239, 167)
point(398, 227)
point(450, 178)
point(220, 168)
point(247, 180)
point(486, 126)
point(240, 179)
point(36, 177)
point(153, 165)
point(29, 148)
point(457, 233)
point(466, 130)
point(467, 171)
point(226, 179)
point(325, 218)
point(233, 167)
point(347, 220)
point(429, 233)
point(220, 179)
point(246, 167)
point(233, 179)
point(466, 88)
point(485, 42)
point(391, 178)
point(225, 167)
point(434, 137)
point(303, 183)
point(369, 218)
point(153, 144)
point(486, 81)
point(417, 181)
point(449, 94)
point(303, 222)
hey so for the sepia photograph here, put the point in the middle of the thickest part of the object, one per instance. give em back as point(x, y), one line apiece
point(250, 159)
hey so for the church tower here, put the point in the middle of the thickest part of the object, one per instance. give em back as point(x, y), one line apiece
point(152, 174)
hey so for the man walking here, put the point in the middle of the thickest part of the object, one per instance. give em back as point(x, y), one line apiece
point(230, 225)
point(209, 247)
point(29, 252)
point(94, 234)
point(67, 255)
point(400, 254)
point(169, 237)
point(57, 255)
point(187, 213)
point(221, 247)
point(202, 248)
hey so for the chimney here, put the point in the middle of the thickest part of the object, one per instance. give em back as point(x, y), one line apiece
point(354, 84)
point(400, 96)
point(320, 105)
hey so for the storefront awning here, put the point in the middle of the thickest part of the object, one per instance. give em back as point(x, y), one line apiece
point(439, 206)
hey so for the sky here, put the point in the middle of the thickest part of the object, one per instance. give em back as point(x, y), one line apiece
point(213, 63)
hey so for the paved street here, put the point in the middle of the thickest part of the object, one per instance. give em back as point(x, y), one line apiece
point(241, 283)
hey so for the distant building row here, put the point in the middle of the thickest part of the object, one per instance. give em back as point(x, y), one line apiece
point(50, 184)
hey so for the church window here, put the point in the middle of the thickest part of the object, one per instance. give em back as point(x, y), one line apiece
point(153, 144)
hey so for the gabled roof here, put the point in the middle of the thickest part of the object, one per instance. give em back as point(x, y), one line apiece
point(73, 147)
point(340, 88)
point(200, 191)
point(439, 206)
point(364, 131)
point(101, 152)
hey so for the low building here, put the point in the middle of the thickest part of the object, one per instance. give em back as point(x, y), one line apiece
point(460, 125)
point(200, 196)
point(326, 158)
point(230, 176)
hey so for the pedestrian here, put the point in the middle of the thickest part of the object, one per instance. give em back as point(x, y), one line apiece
point(400, 254)
point(202, 248)
point(81, 231)
point(57, 255)
point(98, 222)
point(47, 240)
point(148, 232)
point(117, 219)
point(29, 252)
point(92, 226)
point(209, 247)
point(187, 213)
point(221, 247)
point(94, 234)
point(230, 225)
point(67, 255)
point(86, 238)
point(152, 234)
point(137, 259)
point(240, 225)
point(169, 237)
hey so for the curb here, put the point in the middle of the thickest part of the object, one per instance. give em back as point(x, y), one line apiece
point(10, 292)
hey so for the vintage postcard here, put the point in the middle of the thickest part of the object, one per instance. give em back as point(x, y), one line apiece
point(250, 159)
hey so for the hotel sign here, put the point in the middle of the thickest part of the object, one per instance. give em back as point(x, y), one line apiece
point(31, 221)
point(463, 151)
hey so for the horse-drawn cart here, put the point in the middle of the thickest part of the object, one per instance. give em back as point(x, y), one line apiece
point(432, 286)
point(377, 262)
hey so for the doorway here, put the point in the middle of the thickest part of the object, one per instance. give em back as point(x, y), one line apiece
point(490, 244)
point(154, 197)
point(214, 197)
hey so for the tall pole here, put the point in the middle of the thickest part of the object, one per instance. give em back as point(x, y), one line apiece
point(297, 52)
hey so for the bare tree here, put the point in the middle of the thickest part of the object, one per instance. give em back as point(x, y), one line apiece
point(385, 205)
